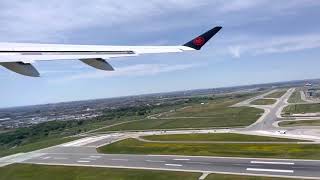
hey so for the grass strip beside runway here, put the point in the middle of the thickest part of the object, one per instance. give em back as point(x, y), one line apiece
point(295, 97)
point(300, 123)
point(302, 108)
point(277, 94)
point(263, 102)
point(219, 117)
point(48, 142)
point(134, 146)
point(217, 137)
point(40, 172)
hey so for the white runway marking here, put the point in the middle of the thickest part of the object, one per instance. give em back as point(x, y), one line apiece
point(174, 165)
point(88, 159)
point(266, 162)
point(60, 158)
point(181, 159)
point(245, 165)
point(95, 156)
point(48, 157)
point(119, 159)
point(83, 161)
point(270, 170)
point(202, 163)
point(155, 161)
point(85, 141)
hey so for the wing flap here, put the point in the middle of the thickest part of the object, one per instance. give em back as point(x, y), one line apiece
point(21, 68)
point(98, 63)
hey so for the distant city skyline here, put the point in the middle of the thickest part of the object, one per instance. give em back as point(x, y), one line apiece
point(261, 42)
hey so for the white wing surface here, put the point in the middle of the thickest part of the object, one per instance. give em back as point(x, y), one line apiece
point(18, 57)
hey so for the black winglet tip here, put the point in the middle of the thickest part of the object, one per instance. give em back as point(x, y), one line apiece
point(201, 40)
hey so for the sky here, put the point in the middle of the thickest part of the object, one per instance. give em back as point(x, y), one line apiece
point(261, 41)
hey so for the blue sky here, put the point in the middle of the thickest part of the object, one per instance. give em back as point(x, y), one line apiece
point(261, 42)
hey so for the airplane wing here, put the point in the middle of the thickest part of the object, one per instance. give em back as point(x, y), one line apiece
point(18, 57)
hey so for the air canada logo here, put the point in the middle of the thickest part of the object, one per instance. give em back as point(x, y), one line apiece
point(199, 41)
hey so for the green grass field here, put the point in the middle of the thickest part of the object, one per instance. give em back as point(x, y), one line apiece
point(212, 108)
point(46, 142)
point(277, 94)
point(300, 123)
point(263, 102)
point(134, 146)
point(302, 108)
point(216, 137)
point(39, 172)
point(215, 113)
point(295, 97)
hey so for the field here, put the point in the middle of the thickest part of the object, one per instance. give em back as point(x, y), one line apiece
point(263, 102)
point(34, 146)
point(216, 137)
point(302, 108)
point(39, 172)
point(300, 123)
point(213, 113)
point(55, 132)
point(295, 97)
point(277, 94)
point(134, 146)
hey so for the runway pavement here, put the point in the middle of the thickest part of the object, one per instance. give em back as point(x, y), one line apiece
point(266, 167)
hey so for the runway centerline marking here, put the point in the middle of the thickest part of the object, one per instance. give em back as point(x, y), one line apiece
point(246, 165)
point(268, 162)
point(202, 163)
point(271, 170)
point(48, 157)
point(88, 159)
point(60, 158)
point(83, 161)
point(174, 165)
point(95, 156)
point(120, 159)
point(155, 161)
point(181, 159)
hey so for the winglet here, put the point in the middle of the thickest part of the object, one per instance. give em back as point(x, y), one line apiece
point(201, 40)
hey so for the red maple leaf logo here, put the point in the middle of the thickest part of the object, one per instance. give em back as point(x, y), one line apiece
point(199, 41)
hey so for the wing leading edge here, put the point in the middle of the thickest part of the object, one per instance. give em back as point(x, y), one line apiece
point(17, 56)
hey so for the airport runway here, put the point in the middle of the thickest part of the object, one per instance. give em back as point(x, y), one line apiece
point(265, 167)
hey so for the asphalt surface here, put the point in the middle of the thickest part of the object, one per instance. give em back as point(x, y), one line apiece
point(288, 168)
point(273, 113)
point(83, 152)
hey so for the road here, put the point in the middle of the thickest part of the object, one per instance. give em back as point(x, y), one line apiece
point(83, 152)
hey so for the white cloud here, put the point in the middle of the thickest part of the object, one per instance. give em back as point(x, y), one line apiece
point(280, 44)
point(46, 20)
point(238, 5)
point(235, 51)
point(134, 70)
point(37, 20)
